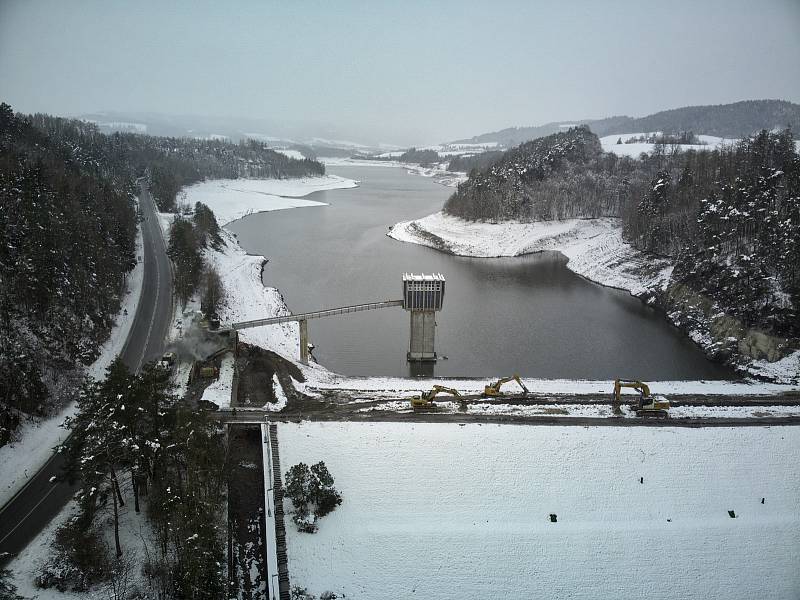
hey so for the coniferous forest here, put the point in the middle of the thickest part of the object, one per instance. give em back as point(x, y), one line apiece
point(69, 222)
point(729, 218)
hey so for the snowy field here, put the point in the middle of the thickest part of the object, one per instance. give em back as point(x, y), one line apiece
point(594, 247)
point(449, 511)
point(36, 439)
point(232, 199)
point(609, 144)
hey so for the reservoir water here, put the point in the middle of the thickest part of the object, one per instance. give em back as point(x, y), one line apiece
point(528, 315)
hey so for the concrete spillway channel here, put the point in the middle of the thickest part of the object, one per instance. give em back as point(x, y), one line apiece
point(257, 561)
point(276, 558)
point(246, 522)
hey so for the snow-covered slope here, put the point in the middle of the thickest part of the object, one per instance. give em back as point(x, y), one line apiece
point(247, 298)
point(36, 438)
point(295, 154)
point(595, 247)
point(609, 144)
point(232, 199)
point(448, 511)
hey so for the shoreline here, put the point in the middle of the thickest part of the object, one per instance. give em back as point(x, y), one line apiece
point(234, 199)
point(594, 248)
point(438, 173)
point(597, 252)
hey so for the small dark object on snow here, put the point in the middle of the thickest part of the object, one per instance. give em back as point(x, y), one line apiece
point(762, 501)
point(669, 520)
point(553, 518)
point(641, 479)
point(732, 514)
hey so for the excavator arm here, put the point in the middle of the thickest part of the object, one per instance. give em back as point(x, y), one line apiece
point(648, 405)
point(426, 398)
point(493, 389)
point(644, 389)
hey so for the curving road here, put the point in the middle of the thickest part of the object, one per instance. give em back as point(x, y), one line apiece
point(33, 507)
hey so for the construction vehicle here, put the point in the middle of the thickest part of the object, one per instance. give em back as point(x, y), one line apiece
point(648, 405)
point(165, 364)
point(203, 370)
point(425, 399)
point(493, 389)
point(207, 405)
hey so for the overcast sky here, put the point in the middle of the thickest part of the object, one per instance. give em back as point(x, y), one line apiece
point(396, 71)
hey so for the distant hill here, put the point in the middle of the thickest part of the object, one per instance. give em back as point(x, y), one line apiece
point(736, 120)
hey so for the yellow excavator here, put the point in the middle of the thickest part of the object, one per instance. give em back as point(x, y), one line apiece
point(649, 405)
point(425, 399)
point(493, 389)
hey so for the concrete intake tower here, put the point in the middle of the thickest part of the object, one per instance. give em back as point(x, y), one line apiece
point(423, 296)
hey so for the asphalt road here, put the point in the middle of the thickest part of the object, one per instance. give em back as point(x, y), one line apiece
point(33, 507)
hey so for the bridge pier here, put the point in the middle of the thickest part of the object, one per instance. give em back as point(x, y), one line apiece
point(303, 341)
point(422, 337)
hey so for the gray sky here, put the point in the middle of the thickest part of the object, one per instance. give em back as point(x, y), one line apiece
point(398, 71)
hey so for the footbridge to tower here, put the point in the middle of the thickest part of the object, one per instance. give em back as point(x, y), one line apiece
point(423, 296)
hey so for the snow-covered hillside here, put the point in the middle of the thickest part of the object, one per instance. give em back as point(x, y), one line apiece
point(609, 144)
point(594, 246)
point(443, 511)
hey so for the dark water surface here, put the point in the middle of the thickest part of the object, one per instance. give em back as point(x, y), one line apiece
point(528, 315)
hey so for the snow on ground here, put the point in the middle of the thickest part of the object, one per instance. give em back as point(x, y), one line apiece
point(295, 154)
point(596, 411)
point(785, 370)
point(338, 161)
point(594, 247)
point(391, 386)
point(263, 137)
point(232, 199)
point(36, 439)
point(732, 412)
point(439, 174)
point(280, 396)
point(165, 222)
point(247, 298)
point(317, 141)
point(442, 511)
point(216, 137)
point(460, 148)
point(119, 125)
point(609, 144)
point(135, 535)
point(219, 392)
